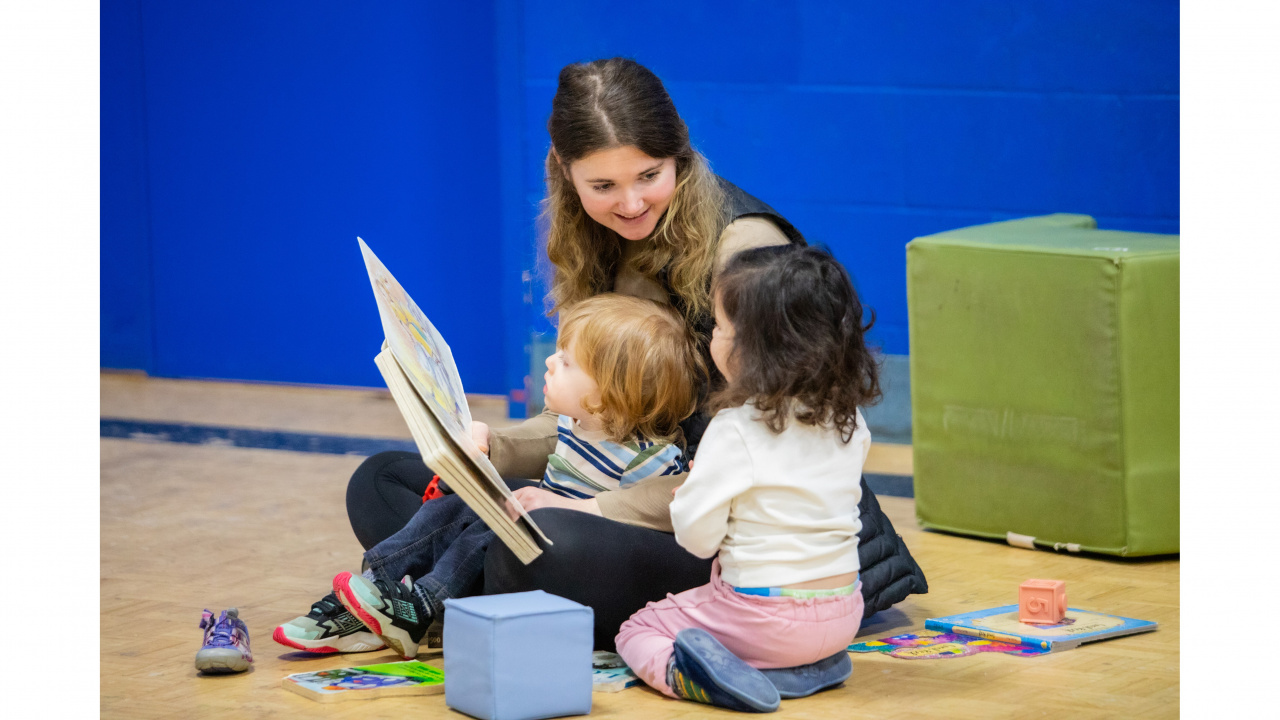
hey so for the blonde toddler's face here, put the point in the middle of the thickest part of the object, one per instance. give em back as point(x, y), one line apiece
point(568, 387)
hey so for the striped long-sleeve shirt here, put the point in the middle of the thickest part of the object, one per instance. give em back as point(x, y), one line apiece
point(587, 463)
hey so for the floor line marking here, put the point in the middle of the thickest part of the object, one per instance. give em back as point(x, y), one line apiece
point(221, 436)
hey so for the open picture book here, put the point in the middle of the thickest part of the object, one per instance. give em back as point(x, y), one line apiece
point(368, 682)
point(1002, 624)
point(418, 368)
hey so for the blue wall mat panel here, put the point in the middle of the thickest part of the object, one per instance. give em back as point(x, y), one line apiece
point(125, 262)
point(869, 125)
point(750, 41)
point(536, 111)
point(1025, 153)
point(281, 131)
point(1166, 226)
point(1086, 46)
point(1082, 46)
point(1043, 153)
point(539, 272)
point(245, 145)
point(518, 250)
point(783, 145)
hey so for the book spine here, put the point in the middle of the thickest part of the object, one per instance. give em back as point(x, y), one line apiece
point(987, 634)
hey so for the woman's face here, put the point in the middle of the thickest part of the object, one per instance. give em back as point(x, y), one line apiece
point(624, 189)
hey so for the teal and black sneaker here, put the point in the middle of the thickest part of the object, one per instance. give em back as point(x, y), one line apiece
point(328, 628)
point(393, 611)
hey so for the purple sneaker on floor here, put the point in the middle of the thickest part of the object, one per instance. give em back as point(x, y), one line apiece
point(226, 644)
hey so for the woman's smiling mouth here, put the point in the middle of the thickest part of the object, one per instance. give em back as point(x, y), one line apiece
point(636, 220)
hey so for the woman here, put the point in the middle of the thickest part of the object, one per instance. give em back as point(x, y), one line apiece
point(632, 208)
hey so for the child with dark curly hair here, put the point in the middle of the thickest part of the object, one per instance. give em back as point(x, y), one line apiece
point(773, 493)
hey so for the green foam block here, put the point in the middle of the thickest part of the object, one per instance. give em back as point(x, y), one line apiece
point(1044, 379)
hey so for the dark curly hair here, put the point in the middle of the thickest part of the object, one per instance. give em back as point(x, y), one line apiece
point(798, 347)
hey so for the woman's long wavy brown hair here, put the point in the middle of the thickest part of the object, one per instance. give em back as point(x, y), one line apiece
point(617, 103)
point(798, 347)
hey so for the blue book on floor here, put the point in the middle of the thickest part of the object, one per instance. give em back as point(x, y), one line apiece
point(613, 679)
point(1002, 624)
point(609, 672)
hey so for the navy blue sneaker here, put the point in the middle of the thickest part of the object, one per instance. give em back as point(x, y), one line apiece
point(702, 670)
point(803, 680)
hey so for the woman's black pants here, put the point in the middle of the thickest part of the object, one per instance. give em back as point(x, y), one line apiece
point(611, 567)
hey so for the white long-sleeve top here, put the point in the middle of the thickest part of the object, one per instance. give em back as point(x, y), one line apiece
point(780, 508)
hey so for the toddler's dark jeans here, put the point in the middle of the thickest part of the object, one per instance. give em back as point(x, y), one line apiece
point(609, 566)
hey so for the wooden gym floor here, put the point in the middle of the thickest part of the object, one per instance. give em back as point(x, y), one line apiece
point(193, 526)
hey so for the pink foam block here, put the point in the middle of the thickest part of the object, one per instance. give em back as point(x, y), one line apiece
point(1042, 601)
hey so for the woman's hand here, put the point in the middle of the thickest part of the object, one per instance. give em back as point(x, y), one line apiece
point(533, 498)
point(480, 435)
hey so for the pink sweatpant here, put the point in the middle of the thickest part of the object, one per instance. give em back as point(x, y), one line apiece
point(766, 632)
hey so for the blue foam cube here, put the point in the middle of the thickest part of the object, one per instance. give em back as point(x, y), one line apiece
point(518, 656)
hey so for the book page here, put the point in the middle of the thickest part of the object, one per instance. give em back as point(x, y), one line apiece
point(484, 492)
point(1076, 622)
point(367, 682)
point(421, 352)
point(420, 372)
point(500, 493)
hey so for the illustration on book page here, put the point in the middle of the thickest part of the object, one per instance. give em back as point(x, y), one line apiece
point(419, 348)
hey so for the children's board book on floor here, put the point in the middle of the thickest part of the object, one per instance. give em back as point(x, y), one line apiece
point(366, 682)
point(609, 673)
point(613, 679)
point(1002, 624)
point(418, 367)
point(933, 645)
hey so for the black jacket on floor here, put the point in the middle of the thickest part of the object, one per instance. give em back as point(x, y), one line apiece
point(888, 572)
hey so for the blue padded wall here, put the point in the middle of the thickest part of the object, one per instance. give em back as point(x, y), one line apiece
point(277, 133)
point(253, 142)
point(125, 260)
point(869, 124)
